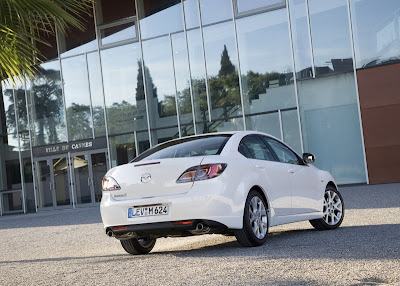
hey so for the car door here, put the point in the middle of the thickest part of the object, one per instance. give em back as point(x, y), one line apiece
point(306, 197)
point(273, 174)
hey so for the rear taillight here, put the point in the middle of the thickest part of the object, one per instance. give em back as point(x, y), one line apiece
point(109, 184)
point(202, 172)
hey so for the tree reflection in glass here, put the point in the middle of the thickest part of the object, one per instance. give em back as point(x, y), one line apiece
point(46, 106)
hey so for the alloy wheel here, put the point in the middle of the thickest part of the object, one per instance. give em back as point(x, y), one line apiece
point(258, 217)
point(333, 208)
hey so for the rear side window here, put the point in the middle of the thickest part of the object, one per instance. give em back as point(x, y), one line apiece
point(186, 147)
point(253, 147)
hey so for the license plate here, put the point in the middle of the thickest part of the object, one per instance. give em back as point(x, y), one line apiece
point(147, 211)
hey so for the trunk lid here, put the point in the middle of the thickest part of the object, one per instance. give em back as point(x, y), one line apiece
point(153, 178)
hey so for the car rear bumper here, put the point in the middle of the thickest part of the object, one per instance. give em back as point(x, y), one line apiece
point(163, 229)
point(203, 202)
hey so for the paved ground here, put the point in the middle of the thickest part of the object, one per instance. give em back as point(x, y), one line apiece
point(70, 247)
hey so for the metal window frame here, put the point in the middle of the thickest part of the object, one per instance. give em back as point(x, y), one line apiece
point(233, 3)
point(254, 11)
point(21, 170)
point(295, 78)
point(189, 66)
point(357, 92)
point(31, 150)
point(132, 19)
point(102, 88)
point(175, 87)
point(11, 192)
point(205, 62)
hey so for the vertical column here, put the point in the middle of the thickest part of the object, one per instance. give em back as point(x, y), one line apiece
point(190, 70)
point(294, 77)
point(102, 84)
point(358, 95)
point(234, 9)
point(138, 11)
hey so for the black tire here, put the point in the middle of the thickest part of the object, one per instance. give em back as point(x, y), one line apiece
point(136, 246)
point(329, 221)
point(246, 236)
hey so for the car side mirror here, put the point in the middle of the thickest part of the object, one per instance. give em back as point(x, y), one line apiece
point(308, 158)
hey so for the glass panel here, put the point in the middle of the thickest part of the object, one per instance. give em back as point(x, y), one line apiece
point(284, 154)
point(24, 141)
point(99, 167)
point(118, 33)
point(61, 181)
point(331, 126)
point(301, 38)
point(191, 13)
point(226, 125)
point(246, 5)
point(142, 141)
point(160, 17)
point(223, 80)
point(254, 147)
point(12, 202)
point(46, 106)
point(109, 11)
point(82, 183)
point(291, 132)
point(77, 41)
point(28, 182)
point(10, 174)
point(376, 31)
point(330, 36)
point(44, 186)
point(214, 11)
point(160, 84)
point(267, 123)
point(77, 98)
point(164, 134)
point(8, 105)
point(187, 147)
point(266, 64)
point(96, 93)
point(198, 73)
point(182, 80)
point(22, 116)
point(122, 149)
point(123, 87)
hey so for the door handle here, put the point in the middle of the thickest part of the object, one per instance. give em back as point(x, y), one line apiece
point(260, 167)
point(291, 171)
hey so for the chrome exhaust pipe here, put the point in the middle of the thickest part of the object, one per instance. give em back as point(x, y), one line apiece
point(199, 227)
point(110, 233)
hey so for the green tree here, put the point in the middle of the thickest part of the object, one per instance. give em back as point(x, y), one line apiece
point(23, 21)
point(22, 24)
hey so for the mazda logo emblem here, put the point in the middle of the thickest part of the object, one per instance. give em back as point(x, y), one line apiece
point(145, 178)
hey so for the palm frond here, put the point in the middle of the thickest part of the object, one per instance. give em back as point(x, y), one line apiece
point(22, 21)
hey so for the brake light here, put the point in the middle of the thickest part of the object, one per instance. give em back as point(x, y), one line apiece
point(202, 172)
point(109, 184)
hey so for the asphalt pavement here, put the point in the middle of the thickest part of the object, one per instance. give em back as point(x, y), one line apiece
point(69, 247)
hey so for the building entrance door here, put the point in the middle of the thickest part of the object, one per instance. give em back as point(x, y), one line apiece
point(53, 184)
point(63, 181)
point(88, 170)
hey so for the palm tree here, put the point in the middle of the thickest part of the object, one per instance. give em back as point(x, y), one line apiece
point(21, 24)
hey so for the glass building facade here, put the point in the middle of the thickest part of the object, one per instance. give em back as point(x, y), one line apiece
point(144, 72)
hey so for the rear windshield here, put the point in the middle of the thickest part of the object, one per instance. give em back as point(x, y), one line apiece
point(186, 147)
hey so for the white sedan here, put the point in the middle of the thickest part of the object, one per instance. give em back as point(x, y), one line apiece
point(236, 183)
